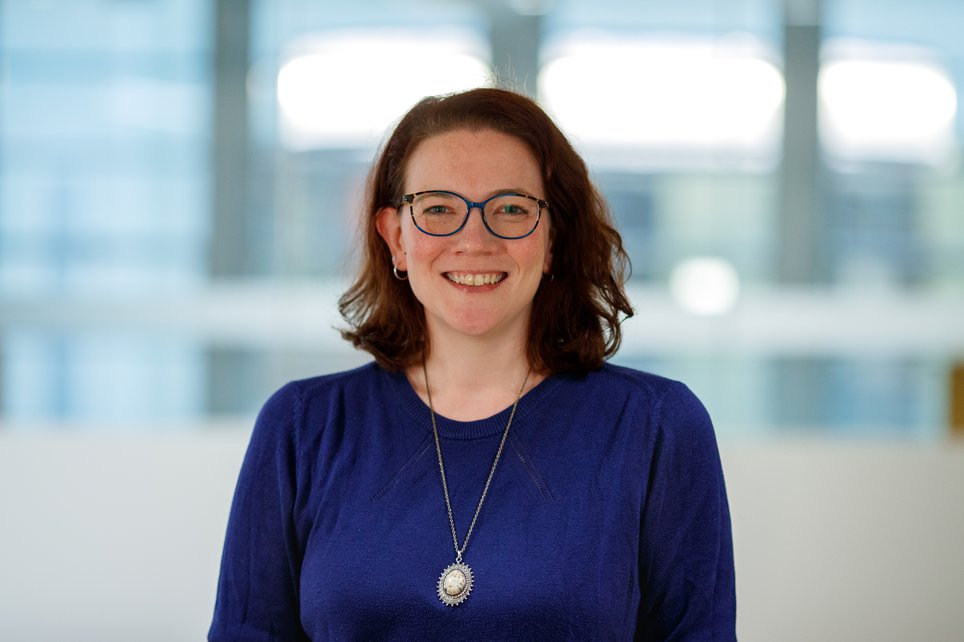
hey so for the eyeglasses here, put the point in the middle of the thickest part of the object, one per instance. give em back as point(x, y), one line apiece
point(508, 215)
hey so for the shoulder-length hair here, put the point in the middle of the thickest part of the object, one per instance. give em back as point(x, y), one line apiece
point(575, 318)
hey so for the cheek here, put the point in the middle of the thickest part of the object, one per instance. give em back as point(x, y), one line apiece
point(533, 259)
point(542, 253)
point(409, 237)
point(418, 247)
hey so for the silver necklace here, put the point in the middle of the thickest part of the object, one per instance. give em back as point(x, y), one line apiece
point(455, 582)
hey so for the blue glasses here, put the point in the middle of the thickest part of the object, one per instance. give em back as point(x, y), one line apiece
point(508, 215)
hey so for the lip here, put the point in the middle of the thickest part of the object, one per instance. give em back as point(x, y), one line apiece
point(475, 280)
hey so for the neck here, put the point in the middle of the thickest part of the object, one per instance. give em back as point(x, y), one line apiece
point(473, 379)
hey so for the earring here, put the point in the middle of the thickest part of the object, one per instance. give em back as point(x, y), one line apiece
point(397, 273)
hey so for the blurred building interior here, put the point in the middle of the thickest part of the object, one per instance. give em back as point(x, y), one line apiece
point(787, 179)
point(180, 182)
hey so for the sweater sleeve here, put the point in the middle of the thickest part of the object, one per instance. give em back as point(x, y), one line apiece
point(686, 547)
point(257, 597)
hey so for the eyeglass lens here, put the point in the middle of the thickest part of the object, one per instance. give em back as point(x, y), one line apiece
point(508, 215)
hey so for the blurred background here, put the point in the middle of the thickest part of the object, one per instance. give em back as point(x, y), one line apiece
point(179, 187)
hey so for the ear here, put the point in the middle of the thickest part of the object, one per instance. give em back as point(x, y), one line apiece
point(389, 226)
point(547, 263)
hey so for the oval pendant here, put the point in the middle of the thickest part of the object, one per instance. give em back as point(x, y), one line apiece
point(455, 584)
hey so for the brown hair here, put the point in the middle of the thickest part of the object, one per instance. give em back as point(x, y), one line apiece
point(576, 312)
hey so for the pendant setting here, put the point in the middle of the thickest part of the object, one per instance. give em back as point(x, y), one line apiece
point(455, 584)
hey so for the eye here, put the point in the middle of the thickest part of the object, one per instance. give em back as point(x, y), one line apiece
point(436, 204)
point(513, 208)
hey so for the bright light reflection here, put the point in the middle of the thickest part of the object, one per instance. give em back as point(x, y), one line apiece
point(705, 285)
point(666, 95)
point(347, 90)
point(900, 111)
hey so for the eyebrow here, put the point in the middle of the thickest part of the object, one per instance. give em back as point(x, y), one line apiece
point(512, 189)
point(501, 190)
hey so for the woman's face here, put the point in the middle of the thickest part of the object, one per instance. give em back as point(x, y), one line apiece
point(442, 271)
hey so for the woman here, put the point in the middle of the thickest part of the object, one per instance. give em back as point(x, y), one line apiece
point(489, 476)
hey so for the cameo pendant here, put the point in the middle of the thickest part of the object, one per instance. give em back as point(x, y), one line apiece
point(455, 584)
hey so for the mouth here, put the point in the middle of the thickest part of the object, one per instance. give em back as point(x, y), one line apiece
point(475, 279)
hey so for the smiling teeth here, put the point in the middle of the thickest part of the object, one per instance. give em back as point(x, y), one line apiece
point(474, 279)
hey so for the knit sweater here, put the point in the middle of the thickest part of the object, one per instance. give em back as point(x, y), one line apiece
point(606, 518)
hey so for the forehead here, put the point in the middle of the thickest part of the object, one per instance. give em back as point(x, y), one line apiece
point(473, 160)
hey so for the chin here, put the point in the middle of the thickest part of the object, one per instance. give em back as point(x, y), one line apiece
point(474, 328)
point(482, 325)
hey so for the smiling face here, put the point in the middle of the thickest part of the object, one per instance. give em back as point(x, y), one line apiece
point(471, 283)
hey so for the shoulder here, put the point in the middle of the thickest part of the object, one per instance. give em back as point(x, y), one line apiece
point(303, 401)
point(673, 410)
point(646, 386)
point(302, 392)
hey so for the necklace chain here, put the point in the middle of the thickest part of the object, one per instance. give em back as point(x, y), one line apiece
point(441, 466)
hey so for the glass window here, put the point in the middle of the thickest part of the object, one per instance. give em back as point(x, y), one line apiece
point(179, 186)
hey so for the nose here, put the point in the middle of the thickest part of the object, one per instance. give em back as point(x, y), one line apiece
point(475, 235)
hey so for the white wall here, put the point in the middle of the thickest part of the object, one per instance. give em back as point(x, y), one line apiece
point(116, 538)
point(848, 541)
point(112, 538)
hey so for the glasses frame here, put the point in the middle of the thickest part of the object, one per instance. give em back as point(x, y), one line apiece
point(409, 199)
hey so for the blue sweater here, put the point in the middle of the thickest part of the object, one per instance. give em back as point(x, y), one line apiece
point(607, 517)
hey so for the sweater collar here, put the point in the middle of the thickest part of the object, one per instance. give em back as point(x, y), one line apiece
point(413, 406)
